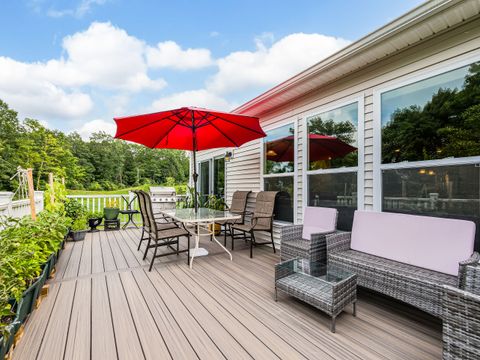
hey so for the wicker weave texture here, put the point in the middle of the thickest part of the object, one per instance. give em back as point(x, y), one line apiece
point(461, 324)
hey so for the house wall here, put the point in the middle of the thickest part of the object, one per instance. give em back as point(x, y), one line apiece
point(243, 172)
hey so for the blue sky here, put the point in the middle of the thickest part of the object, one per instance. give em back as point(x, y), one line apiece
point(75, 64)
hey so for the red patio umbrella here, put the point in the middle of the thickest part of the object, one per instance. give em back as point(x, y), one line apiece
point(321, 147)
point(189, 128)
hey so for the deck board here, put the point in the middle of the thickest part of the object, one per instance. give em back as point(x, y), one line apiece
point(104, 304)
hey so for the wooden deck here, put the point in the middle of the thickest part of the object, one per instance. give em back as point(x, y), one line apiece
point(104, 304)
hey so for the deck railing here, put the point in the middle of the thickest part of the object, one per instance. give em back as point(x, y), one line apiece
point(18, 208)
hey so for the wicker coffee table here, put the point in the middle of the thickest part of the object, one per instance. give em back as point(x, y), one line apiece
point(328, 288)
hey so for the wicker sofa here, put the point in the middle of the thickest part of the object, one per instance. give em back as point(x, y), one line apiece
point(407, 257)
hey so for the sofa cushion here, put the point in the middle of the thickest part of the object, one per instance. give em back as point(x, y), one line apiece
point(318, 220)
point(433, 243)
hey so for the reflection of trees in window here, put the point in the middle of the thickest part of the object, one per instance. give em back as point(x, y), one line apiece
point(278, 167)
point(447, 125)
point(343, 130)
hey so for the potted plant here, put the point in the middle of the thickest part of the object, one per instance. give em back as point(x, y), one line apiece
point(94, 220)
point(79, 228)
point(111, 210)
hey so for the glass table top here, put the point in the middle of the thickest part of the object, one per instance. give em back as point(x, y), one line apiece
point(328, 273)
point(202, 215)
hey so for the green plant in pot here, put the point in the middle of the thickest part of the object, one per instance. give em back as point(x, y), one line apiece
point(94, 220)
point(111, 210)
point(79, 228)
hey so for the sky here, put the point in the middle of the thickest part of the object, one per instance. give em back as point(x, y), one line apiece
point(75, 64)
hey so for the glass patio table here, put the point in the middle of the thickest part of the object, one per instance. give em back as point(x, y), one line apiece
point(200, 220)
point(326, 287)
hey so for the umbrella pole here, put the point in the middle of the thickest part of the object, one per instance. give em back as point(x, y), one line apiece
point(195, 175)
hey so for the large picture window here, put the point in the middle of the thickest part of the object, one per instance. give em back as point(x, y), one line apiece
point(278, 169)
point(431, 146)
point(332, 141)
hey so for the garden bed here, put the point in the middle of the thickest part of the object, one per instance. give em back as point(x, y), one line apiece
point(28, 253)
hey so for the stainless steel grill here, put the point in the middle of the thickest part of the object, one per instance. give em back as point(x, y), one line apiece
point(163, 198)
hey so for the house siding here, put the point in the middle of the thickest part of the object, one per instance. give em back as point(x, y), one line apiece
point(243, 172)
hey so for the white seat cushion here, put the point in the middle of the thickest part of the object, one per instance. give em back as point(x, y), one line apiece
point(318, 220)
point(433, 243)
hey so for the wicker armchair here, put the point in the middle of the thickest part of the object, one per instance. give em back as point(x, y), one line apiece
point(308, 241)
point(461, 317)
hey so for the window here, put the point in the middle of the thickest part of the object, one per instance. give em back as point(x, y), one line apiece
point(332, 161)
point(204, 179)
point(431, 146)
point(219, 176)
point(284, 201)
point(278, 169)
point(212, 177)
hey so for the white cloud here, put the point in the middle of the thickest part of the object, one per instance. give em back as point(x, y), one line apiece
point(169, 54)
point(200, 98)
point(103, 56)
point(96, 125)
point(269, 66)
point(34, 96)
point(82, 8)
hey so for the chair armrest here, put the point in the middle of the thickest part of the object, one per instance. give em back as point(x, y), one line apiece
point(291, 232)
point(284, 269)
point(469, 279)
point(462, 269)
point(255, 219)
point(338, 241)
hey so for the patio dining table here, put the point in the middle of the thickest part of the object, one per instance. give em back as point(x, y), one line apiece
point(200, 221)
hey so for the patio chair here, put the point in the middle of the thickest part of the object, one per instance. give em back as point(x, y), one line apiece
point(163, 234)
point(162, 221)
point(261, 220)
point(461, 317)
point(238, 206)
point(308, 240)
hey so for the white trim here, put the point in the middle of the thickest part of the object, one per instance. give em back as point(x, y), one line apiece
point(359, 169)
point(422, 74)
point(432, 163)
point(294, 174)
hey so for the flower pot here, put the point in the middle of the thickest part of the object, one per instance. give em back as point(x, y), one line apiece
point(215, 228)
point(111, 213)
point(79, 235)
point(93, 223)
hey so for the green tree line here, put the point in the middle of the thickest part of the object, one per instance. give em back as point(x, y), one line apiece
point(102, 163)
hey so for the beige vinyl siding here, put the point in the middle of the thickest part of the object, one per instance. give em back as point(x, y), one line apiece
point(243, 172)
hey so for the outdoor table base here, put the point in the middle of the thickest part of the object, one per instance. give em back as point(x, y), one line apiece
point(199, 221)
point(197, 234)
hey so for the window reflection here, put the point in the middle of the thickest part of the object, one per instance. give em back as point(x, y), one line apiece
point(336, 190)
point(434, 118)
point(279, 150)
point(284, 201)
point(204, 179)
point(219, 176)
point(332, 138)
point(445, 191)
